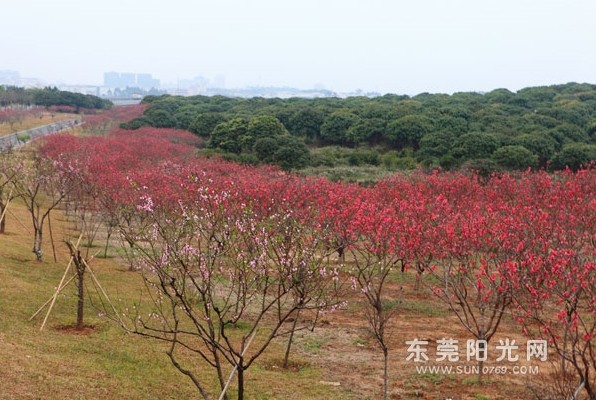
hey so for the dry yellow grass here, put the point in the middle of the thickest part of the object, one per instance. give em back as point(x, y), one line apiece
point(33, 122)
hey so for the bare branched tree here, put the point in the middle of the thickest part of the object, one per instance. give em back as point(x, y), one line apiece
point(225, 280)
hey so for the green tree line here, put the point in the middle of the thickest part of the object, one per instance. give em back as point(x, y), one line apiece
point(536, 127)
point(48, 97)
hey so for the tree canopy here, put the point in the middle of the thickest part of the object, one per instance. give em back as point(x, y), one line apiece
point(48, 97)
point(545, 125)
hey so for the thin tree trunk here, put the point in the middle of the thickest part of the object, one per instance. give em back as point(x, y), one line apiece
point(81, 295)
point(419, 272)
point(52, 238)
point(132, 255)
point(220, 377)
point(2, 219)
point(80, 269)
point(481, 360)
point(240, 372)
point(105, 252)
point(38, 236)
point(417, 283)
point(565, 340)
point(588, 389)
point(385, 373)
point(290, 339)
point(3, 209)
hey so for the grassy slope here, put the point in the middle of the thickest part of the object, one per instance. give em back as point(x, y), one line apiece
point(107, 363)
point(34, 122)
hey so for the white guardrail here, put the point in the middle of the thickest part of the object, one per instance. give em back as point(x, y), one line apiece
point(18, 139)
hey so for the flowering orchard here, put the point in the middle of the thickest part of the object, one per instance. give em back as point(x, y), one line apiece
point(17, 114)
point(232, 252)
point(103, 121)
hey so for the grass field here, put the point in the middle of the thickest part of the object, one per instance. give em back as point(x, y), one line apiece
point(105, 362)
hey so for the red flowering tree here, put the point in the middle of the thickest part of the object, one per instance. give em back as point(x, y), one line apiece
point(100, 123)
point(556, 296)
point(374, 235)
point(101, 170)
point(338, 205)
point(471, 256)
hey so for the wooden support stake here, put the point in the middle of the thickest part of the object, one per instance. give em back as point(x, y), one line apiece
point(55, 296)
point(105, 295)
point(225, 389)
point(56, 293)
point(50, 299)
point(19, 221)
point(6, 206)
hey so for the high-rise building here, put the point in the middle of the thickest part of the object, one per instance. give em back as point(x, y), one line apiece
point(128, 79)
point(111, 79)
point(146, 81)
point(122, 80)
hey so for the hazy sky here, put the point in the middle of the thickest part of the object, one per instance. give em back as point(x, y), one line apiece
point(396, 46)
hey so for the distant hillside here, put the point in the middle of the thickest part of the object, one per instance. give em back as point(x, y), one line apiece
point(538, 127)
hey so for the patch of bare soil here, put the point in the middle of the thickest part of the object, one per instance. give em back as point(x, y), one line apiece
point(72, 329)
point(278, 365)
point(344, 348)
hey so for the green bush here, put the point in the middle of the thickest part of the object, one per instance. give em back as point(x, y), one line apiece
point(363, 156)
point(515, 157)
point(574, 156)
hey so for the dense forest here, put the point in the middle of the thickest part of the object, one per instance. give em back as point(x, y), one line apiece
point(50, 97)
point(538, 127)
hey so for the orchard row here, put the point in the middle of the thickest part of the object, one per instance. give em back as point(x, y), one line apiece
point(225, 245)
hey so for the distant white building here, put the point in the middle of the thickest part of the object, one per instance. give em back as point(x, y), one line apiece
point(13, 78)
point(122, 80)
point(82, 89)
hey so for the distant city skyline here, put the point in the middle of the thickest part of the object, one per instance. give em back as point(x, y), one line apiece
point(118, 79)
point(119, 85)
point(386, 46)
